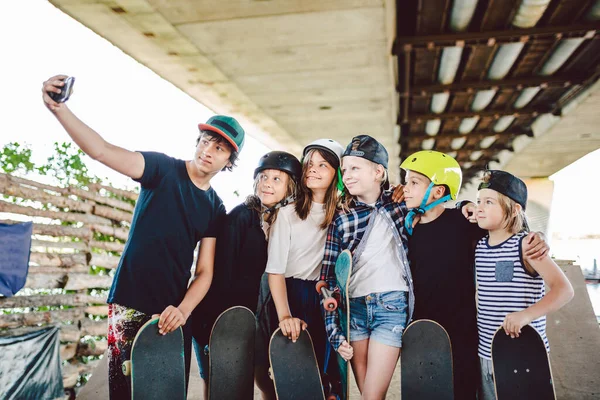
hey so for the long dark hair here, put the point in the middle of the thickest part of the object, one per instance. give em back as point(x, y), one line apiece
point(305, 196)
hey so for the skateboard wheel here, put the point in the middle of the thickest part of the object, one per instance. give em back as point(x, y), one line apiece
point(126, 367)
point(330, 304)
point(321, 285)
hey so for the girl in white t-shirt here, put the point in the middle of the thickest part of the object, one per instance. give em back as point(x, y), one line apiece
point(296, 244)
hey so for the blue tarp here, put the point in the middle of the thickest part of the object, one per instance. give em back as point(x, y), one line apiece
point(15, 247)
point(30, 366)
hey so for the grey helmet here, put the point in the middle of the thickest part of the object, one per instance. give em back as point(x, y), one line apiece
point(328, 145)
point(332, 147)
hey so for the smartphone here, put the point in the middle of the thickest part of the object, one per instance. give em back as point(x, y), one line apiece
point(65, 91)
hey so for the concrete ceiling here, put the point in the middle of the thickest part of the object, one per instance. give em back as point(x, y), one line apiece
point(293, 71)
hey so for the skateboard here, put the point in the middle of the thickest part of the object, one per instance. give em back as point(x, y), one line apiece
point(521, 366)
point(294, 368)
point(343, 271)
point(426, 366)
point(157, 364)
point(231, 355)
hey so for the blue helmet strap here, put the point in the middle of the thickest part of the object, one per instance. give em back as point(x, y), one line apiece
point(423, 208)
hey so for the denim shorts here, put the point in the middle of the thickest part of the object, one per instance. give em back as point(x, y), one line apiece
point(379, 316)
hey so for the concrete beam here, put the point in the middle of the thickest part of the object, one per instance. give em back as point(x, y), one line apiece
point(491, 38)
point(559, 142)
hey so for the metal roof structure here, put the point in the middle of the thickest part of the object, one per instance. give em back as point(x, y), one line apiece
point(475, 75)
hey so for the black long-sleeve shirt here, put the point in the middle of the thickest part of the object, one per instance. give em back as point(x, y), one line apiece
point(442, 257)
point(240, 260)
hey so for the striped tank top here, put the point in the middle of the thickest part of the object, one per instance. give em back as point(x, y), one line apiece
point(504, 287)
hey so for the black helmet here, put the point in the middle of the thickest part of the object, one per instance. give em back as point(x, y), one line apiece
point(281, 161)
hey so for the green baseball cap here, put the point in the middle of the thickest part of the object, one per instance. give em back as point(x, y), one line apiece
point(227, 127)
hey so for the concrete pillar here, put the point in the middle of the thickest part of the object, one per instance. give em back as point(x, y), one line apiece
point(539, 203)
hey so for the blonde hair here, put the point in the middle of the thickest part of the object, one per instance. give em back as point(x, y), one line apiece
point(304, 200)
point(253, 201)
point(384, 177)
point(348, 199)
point(513, 215)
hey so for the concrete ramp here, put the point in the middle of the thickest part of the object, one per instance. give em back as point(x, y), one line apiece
point(574, 337)
point(97, 387)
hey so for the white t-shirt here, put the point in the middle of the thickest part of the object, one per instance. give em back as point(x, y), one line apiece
point(379, 268)
point(296, 247)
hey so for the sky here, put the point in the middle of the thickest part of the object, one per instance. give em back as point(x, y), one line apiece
point(125, 102)
point(132, 107)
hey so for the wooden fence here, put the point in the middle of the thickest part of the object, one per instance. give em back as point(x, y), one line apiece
point(78, 237)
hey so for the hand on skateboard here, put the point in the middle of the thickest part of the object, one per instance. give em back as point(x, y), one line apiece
point(157, 366)
point(513, 323)
point(291, 327)
point(170, 319)
point(294, 368)
point(346, 351)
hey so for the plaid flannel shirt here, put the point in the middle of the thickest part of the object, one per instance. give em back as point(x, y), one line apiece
point(346, 232)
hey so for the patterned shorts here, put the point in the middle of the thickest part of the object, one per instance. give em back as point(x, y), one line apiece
point(123, 325)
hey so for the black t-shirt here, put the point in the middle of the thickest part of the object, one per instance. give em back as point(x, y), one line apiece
point(442, 254)
point(240, 261)
point(442, 257)
point(171, 216)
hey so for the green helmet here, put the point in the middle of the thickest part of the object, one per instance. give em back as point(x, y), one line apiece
point(440, 168)
point(228, 128)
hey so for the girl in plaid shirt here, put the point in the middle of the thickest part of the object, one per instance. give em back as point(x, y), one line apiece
point(371, 226)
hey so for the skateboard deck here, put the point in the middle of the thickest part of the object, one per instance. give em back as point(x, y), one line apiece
point(343, 271)
point(521, 366)
point(294, 368)
point(426, 366)
point(157, 364)
point(231, 355)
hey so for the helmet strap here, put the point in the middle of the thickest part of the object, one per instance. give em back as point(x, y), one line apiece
point(423, 208)
point(282, 203)
point(340, 183)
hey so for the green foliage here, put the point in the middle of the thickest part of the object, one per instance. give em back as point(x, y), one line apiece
point(15, 158)
point(67, 166)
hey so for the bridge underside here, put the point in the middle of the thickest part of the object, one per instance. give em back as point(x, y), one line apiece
point(486, 81)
